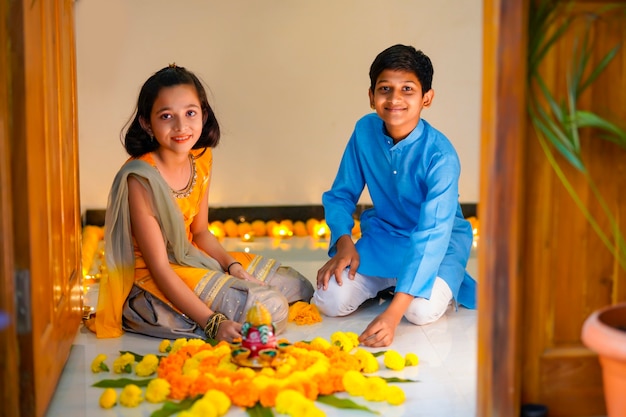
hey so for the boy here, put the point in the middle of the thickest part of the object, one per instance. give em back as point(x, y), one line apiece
point(415, 237)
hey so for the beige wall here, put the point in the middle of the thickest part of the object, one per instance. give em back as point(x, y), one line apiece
point(287, 79)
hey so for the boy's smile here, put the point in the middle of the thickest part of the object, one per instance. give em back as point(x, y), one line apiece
point(398, 100)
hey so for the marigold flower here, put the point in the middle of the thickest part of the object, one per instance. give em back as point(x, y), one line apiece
point(131, 396)
point(165, 346)
point(393, 360)
point(411, 359)
point(287, 400)
point(395, 395)
point(157, 390)
point(203, 408)
point(98, 364)
point(244, 394)
point(268, 394)
point(320, 343)
point(375, 389)
point(178, 344)
point(123, 363)
point(219, 400)
point(147, 366)
point(354, 382)
point(368, 362)
point(108, 398)
point(302, 312)
point(345, 340)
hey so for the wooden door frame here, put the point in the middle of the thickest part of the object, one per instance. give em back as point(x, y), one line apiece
point(9, 356)
point(502, 161)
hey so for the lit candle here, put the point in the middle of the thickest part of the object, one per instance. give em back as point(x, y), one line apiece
point(247, 237)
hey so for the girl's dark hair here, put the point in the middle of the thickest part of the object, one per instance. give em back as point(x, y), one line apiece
point(137, 141)
point(403, 58)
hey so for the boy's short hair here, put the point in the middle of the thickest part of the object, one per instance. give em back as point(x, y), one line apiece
point(403, 58)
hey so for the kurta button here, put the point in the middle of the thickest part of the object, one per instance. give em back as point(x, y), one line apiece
point(395, 172)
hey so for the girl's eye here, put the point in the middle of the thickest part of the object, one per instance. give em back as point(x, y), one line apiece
point(165, 116)
point(191, 113)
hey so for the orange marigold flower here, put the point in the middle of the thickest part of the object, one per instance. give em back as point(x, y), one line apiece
point(244, 394)
point(267, 395)
point(179, 386)
point(302, 312)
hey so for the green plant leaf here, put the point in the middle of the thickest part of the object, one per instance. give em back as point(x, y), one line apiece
point(343, 403)
point(170, 407)
point(379, 353)
point(259, 411)
point(121, 383)
point(396, 379)
point(592, 120)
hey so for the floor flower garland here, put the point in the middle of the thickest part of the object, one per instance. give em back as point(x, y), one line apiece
point(192, 377)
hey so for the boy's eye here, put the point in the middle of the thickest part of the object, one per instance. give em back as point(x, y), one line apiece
point(384, 89)
point(407, 88)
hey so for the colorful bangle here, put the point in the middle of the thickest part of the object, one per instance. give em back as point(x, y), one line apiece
point(231, 264)
point(213, 324)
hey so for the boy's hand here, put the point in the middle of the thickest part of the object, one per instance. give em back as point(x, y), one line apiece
point(346, 256)
point(380, 332)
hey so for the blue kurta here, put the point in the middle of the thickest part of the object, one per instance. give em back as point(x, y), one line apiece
point(415, 230)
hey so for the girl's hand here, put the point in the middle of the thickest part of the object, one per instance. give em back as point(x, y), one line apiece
point(228, 331)
point(239, 271)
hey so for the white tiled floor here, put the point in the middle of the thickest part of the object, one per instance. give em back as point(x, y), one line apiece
point(446, 373)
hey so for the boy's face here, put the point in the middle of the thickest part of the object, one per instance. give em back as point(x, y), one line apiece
point(398, 100)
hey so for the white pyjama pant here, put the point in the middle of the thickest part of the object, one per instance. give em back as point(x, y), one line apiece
point(338, 301)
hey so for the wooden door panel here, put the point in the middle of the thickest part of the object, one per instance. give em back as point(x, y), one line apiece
point(567, 270)
point(45, 190)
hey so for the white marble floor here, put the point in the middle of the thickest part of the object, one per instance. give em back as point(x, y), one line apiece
point(446, 373)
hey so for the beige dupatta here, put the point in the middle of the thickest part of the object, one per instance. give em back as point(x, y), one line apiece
point(119, 250)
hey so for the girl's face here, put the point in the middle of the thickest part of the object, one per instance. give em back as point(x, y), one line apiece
point(176, 120)
point(398, 100)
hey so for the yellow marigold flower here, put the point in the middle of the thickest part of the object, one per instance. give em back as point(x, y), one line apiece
point(131, 396)
point(411, 359)
point(123, 363)
point(98, 364)
point(268, 371)
point(147, 366)
point(220, 400)
point(178, 343)
point(287, 400)
point(354, 382)
point(395, 395)
point(345, 340)
point(165, 346)
point(195, 342)
point(157, 390)
point(108, 398)
point(283, 370)
point(375, 389)
point(369, 363)
point(393, 360)
point(320, 343)
point(203, 408)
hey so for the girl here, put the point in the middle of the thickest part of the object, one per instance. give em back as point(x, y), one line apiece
point(168, 276)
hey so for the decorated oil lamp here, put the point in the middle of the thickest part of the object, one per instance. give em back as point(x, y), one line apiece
point(258, 345)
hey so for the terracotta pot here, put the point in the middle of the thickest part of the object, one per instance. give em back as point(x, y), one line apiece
point(601, 333)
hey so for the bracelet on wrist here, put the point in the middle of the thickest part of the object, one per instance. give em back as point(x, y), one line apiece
point(231, 264)
point(213, 324)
